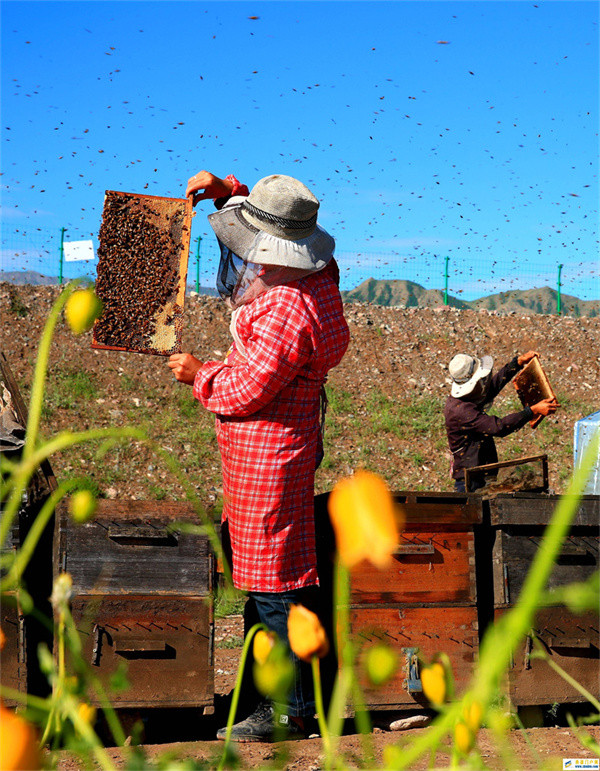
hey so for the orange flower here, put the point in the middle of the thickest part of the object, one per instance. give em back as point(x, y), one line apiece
point(18, 743)
point(306, 634)
point(263, 644)
point(365, 519)
point(2, 639)
point(433, 680)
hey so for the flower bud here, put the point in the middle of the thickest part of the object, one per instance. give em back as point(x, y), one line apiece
point(263, 644)
point(275, 676)
point(380, 664)
point(87, 713)
point(464, 738)
point(473, 714)
point(81, 310)
point(62, 590)
point(82, 506)
point(306, 634)
point(433, 680)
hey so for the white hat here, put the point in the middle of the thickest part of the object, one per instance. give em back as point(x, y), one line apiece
point(466, 371)
point(275, 225)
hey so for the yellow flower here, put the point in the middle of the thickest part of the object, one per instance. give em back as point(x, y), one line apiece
point(433, 680)
point(18, 743)
point(262, 645)
point(87, 713)
point(365, 519)
point(306, 634)
point(82, 309)
point(380, 663)
point(82, 506)
point(464, 738)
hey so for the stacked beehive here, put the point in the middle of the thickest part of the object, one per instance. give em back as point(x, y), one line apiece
point(142, 600)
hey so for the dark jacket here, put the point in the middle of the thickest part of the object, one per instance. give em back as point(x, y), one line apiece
point(470, 430)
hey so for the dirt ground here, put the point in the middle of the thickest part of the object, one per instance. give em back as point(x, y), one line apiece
point(190, 735)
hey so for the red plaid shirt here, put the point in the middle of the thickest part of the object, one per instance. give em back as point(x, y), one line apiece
point(268, 427)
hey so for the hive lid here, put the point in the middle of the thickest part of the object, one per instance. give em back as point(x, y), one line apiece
point(142, 270)
point(532, 386)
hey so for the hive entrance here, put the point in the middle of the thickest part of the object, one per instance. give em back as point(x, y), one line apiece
point(142, 269)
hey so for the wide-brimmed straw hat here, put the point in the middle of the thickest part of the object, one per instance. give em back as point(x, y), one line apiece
point(275, 225)
point(466, 371)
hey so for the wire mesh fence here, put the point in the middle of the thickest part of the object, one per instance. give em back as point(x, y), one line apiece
point(23, 255)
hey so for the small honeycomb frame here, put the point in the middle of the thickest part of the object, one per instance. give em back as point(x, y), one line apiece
point(142, 270)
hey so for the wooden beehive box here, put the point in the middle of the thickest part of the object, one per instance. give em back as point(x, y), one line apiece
point(142, 600)
point(517, 525)
point(142, 269)
point(426, 602)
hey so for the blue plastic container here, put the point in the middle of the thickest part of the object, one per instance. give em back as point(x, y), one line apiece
point(584, 431)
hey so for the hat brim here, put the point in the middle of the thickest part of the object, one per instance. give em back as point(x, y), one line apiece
point(254, 245)
point(485, 366)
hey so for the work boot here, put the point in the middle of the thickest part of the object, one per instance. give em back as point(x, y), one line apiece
point(258, 727)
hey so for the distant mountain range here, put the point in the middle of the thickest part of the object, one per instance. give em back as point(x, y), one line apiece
point(408, 294)
point(411, 295)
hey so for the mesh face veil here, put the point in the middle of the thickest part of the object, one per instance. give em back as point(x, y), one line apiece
point(231, 270)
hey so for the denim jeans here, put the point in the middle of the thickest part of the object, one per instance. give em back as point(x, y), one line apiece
point(272, 609)
point(475, 484)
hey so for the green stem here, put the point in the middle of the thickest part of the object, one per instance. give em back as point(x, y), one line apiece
point(41, 368)
point(343, 681)
point(316, 672)
point(363, 722)
point(236, 692)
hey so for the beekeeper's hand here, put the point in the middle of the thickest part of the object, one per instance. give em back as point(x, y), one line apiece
point(184, 367)
point(545, 407)
point(211, 186)
point(524, 358)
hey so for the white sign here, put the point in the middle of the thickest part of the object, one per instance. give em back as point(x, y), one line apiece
point(75, 251)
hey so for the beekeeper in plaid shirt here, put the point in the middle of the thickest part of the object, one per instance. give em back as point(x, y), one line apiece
point(278, 275)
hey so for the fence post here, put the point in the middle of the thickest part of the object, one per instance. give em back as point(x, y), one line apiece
point(558, 308)
point(446, 281)
point(198, 265)
point(61, 256)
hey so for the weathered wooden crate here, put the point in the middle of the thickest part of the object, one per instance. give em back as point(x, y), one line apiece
point(142, 600)
point(426, 601)
point(164, 644)
point(571, 641)
point(517, 524)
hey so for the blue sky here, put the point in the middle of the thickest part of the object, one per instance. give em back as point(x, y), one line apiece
point(427, 129)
